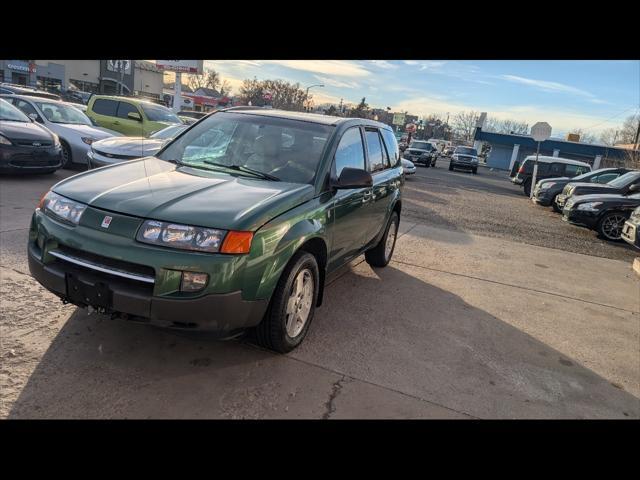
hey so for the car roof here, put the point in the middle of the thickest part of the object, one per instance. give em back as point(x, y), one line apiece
point(547, 159)
point(305, 117)
point(33, 98)
point(119, 98)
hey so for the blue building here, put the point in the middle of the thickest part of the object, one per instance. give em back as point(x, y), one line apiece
point(507, 149)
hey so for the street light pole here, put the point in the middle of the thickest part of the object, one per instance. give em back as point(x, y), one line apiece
point(306, 96)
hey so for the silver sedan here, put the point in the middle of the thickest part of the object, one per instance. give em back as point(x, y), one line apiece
point(408, 167)
point(74, 128)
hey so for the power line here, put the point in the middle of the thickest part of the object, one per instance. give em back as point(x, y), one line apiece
point(616, 115)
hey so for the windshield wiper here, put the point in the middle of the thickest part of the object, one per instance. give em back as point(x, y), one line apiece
point(242, 168)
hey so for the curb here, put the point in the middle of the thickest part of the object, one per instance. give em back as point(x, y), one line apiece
point(636, 266)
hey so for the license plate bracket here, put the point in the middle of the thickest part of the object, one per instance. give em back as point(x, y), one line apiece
point(82, 292)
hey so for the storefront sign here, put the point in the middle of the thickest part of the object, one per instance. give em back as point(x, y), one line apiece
point(21, 66)
point(185, 66)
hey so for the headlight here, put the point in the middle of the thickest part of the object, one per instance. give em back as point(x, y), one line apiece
point(62, 207)
point(589, 206)
point(56, 140)
point(88, 140)
point(546, 185)
point(5, 141)
point(184, 237)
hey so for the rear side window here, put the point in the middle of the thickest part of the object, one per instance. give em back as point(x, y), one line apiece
point(26, 107)
point(124, 108)
point(392, 146)
point(574, 170)
point(102, 106)
point(350, 152)
point(557, 169)
point(374, 147)
point(606, 177)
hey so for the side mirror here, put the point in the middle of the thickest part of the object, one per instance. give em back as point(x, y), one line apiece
point(353, 178)
point(134, 116)
point(634, 188)
point(34, 117)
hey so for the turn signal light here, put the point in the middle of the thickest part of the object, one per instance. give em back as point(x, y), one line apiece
point(237, 242)
point(41, 202)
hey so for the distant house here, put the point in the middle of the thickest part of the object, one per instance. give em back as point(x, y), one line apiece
point(207, 92)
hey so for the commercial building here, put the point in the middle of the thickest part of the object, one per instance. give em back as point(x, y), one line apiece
point(507, 149)
point(140, 78)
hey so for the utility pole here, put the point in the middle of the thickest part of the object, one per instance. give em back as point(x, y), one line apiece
point(637, 137)
point(122, 77)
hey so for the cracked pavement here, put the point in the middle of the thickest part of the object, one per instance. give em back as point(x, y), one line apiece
point(462, 324)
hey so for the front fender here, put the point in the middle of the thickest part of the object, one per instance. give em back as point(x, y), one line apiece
point(275, 244)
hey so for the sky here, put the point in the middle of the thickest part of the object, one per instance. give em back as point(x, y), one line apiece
point(568, 94)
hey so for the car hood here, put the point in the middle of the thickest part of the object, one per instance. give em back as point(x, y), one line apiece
point(132, 146)
point(603, 197)
point(418, 150)
point(81, 130)
point(24, 131)
point(584, 188)
point(160, 190)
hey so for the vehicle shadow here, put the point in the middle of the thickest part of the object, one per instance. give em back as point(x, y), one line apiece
point(401, 331)
point(384, 326)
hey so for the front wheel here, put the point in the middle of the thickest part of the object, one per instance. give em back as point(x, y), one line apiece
point(527, 188)
point(292, 306)
point(451, 167)
point(66, 155)
point(475, 171)
point(380, 255)
point(610, 226)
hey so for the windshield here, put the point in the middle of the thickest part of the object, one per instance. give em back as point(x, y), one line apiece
point(466, 151)
point(169, 132)
point(60, 113)
point(158, 113)
point(624, 180)
point(287, 149)
point(422, 145)
point(10, 113)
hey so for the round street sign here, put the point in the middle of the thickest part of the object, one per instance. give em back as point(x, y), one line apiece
point(541, 131)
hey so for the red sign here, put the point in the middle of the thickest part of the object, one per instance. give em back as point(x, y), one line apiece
point(410, 128)
point(267, 96)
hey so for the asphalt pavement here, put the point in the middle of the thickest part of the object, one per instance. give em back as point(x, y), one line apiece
point(473, 318)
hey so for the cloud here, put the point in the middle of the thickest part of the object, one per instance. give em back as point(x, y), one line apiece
point(553, 87)
point(342, 68)
point(383, 64)
point(337, 83)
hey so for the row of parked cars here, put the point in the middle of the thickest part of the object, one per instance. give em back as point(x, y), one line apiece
point(606, 200)
point(41, 133)
point(425, 153)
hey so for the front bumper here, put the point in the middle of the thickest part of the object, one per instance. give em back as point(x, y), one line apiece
point(631, 233)
point(29, 159)
point(542, 197)
point(583, 218)
point(220, 308)
point(561, 200)
point(464, 165)
point(517, 180)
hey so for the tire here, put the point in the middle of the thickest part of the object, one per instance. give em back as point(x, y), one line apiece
point(555, 205)
point(527, 188)
point(272, 332)
point(67, 159)
point(474, 171)
point(380, 255)
point(610, 226)
point(451, 167)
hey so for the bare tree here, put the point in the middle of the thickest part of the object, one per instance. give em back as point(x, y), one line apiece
point(609, 136)
point(209, 79)
point(629, 129)
point(284, 95)
point(464, 124)
point(585, 137)
point(225, 88)
point(506, 126)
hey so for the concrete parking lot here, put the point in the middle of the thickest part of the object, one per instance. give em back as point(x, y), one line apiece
point(491, 308)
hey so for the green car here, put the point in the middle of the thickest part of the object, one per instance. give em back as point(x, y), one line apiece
point(130, 116)
point(233, 225)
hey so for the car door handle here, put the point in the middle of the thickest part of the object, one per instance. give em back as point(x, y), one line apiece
point(367, 195)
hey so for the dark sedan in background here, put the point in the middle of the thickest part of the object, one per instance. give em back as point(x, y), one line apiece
point(620, 186)
point(547, 190)
point(631, 229)
point(606, 214)
point(26, 146)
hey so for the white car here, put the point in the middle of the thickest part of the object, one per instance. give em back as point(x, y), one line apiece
point(75, 129)
point(116, 150)
point(408, 168)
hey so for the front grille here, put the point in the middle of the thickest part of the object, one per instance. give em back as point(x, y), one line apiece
point(106, 262)
point(35, 163)
point(117, 157)
point(33, 143)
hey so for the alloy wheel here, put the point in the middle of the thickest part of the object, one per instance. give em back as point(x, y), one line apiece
point(391, 239)
point(612, 226)
point(299, 303)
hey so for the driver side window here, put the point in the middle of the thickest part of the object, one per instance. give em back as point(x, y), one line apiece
point(350, 152)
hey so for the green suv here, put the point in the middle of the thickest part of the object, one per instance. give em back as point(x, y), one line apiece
point(233, 225)
point(130, 116)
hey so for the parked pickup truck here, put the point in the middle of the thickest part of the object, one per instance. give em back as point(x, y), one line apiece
point(226, 235)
